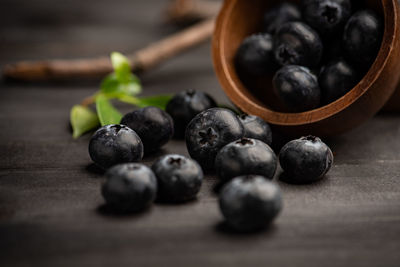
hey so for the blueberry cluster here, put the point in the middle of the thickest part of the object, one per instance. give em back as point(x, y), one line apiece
point(131, 186)
point(141, 131)
point(236, 147)
point(319, 51)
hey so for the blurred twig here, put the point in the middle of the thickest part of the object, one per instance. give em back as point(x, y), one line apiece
point(142, 60)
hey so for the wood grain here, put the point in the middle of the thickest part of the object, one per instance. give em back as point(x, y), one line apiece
point(142, 60)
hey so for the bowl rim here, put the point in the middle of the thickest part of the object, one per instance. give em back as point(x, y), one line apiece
point(233, 87)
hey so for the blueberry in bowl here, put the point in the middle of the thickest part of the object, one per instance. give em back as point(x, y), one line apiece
point(328, 17)
point(179, 178)
point(336, 79)
point(256, 128)
point(257, 98)
point(296, 43)
point(305, 160)
point(297, 88)
point(255, 56)
point(250, 203)
point(114, 144)
point(184, 106)
point(280, 14)
point(130, 187)
point(154, 126)
point(209, 131)
point(245, 157)
point(362, 38)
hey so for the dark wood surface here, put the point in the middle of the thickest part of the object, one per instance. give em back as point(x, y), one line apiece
point(50, 204)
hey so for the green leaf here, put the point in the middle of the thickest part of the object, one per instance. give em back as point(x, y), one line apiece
point(159, 101)
point(132, 86)
point(121, 65)
point(106, 112)
point(127, 99)
point(111, 85)
point(121, 80)
point(82, 120)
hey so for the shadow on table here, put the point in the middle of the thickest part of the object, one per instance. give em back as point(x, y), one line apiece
point(107, 211)
point(225, 229)
point(283, 177)
point(94, 169)
point(217, 187)
point(150, 158)
point(162, 202)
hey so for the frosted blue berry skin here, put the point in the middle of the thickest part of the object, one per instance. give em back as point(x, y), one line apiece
point(245, 157)
point(336, 79)
point(305, 160)
point(130, 187)
point(362, 38)
point(250, 203)
point(154, 126)
point(256, 128)
point(280, 14)
point(296, 43)
point(255, 56)
point(328, 17)
point(179, 178)
point(297, 88)
point(114, 144)
point(184, 106)
point(210, 131)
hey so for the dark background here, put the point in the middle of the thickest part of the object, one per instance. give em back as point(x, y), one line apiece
point(50, 202)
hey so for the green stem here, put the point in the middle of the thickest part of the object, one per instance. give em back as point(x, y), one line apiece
point(89, 100)
point(129, 99)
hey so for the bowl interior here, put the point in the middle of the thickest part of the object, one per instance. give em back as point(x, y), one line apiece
point(240, 19)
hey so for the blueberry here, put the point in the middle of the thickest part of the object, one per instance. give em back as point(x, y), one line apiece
point(336, 79)
point(305, 160)
point(129, 187)
point(113, 144)
point(154, 126)
point(257, 128)
point(250, 203)
point(244, 157)
point(297, 88)
point(255, 56)
point(209, 131)
point(296, 43)
point(184, 106)
point(326, 16)
point(179, 178)
point(280, 14)
point(362, 38)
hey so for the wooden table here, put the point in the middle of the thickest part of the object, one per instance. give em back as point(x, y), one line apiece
point(50, 202)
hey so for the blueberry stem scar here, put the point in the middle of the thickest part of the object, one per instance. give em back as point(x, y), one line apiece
point(175, 161)
point(207, 137)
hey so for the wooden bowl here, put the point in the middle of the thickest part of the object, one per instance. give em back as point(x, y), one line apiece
point(239, 19)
